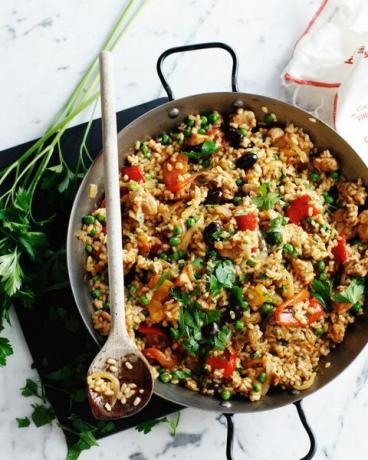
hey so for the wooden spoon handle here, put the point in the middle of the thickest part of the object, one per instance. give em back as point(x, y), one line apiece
point(112, 195)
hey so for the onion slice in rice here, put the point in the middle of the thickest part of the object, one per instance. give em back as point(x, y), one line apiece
point(115, 384)
point(268, 371)
point(187, 236)
point(307, 384)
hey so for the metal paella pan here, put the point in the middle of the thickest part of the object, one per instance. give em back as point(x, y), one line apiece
point(160, 119)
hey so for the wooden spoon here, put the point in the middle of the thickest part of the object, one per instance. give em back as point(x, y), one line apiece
point(119, 380)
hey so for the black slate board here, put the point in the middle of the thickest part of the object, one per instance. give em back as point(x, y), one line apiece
point(57, 337)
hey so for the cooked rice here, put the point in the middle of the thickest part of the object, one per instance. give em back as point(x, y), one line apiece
point(160, 220)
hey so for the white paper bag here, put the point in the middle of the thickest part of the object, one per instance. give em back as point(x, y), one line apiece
point(328, 72)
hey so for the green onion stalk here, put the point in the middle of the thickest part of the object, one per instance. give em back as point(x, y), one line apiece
point(22, 237)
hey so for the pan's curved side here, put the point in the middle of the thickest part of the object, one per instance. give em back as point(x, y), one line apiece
point(154, 122)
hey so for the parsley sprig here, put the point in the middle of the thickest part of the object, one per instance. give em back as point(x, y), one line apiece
point(146, 426)
point(266, 199)
point(352, 294)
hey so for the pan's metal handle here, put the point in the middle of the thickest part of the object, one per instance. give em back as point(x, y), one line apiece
point(198, 46)
point(303, 419)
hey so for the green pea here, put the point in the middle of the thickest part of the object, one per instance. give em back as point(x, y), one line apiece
point(164, 256)
point(146, 151)
point(204, 120)
point(206, 163)
point(213, 117)
point(274, 238)
point(174, 241)
point(177, 230)
point(133, 185)
point(187, 132)
point(190, 222)
point(289, 249)
point(165, 377)
point(92, 232)
point(268, 118)
point(132, 289)
point(239, 325)
point(328, 198)
point(356, 308)
point(88, 248)
point(106, 306)
point(262, 377)
point(257, 387)
point(148, 176)
point(202, 131)
point(165, 139)
point(242, 278)
point(251, 262)
point(323, 276)
point(239, 182)
point(88, 220)
point(266, 308)
point(244, 132)
point(225, 395)
point(334, 175)
point(237, 200)
point(101, 218)
point(212, 253)
point(96, 293)
point(254, 355)
point(178, 255)
point(319, 331)
point(190, 122)
point(144, 300)
point(321, 266)
point(314, 176)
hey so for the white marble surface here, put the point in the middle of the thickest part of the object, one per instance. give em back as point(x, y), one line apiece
point(45, 46)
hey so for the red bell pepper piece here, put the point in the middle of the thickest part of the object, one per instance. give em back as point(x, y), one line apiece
point(340, 252)
point(133, 172)
point(171, 173)
point(228, 365)
point(247, 221)
point(284, 314)
point(151, 330)
point(158, 355)
point(298, 209)
point(318, 311)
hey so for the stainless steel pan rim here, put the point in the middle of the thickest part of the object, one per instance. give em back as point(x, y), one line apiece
point(153, 123)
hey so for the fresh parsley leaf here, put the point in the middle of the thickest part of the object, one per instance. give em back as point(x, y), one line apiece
point(197, 262)
point(213, 285)
point(106, 427)
point(22, 200)
point(352, 294)
point(23, 422)
point(31, 389)
point(147, 425)
point(221, 338)
point(225, 273)
point(266, 200)
point(180, 296)
point(207, 149)
point(5, 350)
point(11, 272)
point(210, 316)
point(322, 291)
point(42, 415)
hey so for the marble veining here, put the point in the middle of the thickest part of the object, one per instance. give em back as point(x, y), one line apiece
point(45, 48)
